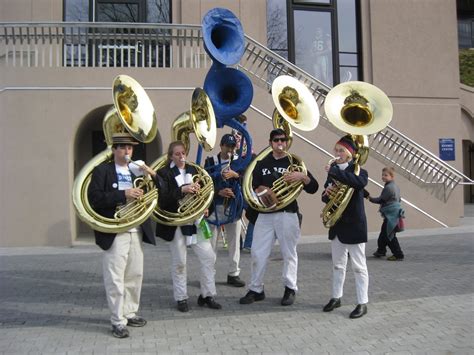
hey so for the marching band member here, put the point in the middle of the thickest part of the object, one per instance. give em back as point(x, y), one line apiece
point(112, 185)
point(227, 197)
point(349, 234)
point(281, 224)
point(177, 183)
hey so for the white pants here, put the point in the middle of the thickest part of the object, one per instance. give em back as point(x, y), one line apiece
point(207, 260)
point(269, 227)
point(359, 267)
point(122, 267)
point(232, 234)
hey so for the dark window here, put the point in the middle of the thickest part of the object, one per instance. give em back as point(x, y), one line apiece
point(313, 43)
point(115, 11)
point(348, 43)
point(150, 11)
point(117, 47)
point(466, 33)
point(277, 24)
point(320, 36)
point(76, 10)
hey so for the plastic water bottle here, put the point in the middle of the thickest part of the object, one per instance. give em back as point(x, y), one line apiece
point(205, 229)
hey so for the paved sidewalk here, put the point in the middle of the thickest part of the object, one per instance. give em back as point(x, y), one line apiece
point(52, 301)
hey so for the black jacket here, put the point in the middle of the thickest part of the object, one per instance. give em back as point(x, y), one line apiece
point(270, 169)
point(168, 197)
point(104, 196)
point(352, 226)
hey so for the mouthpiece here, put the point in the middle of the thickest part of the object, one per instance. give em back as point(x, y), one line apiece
point(128, 159)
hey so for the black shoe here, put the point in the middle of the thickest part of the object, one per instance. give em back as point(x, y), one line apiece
point(289, 297)
point(378, 254)
point(209, 301)
point(252, 297)
point(235, 281)
point(136, 321)
point(120, 331)
point(182, 306)
point(359, 311)
point(333, 303)
point(395, 258)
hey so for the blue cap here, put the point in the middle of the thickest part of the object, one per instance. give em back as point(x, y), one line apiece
point(228, 139)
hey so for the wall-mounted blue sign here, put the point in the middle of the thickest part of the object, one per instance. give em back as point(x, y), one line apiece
point(447, 149)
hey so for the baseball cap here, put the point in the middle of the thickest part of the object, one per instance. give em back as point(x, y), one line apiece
point(228, 139)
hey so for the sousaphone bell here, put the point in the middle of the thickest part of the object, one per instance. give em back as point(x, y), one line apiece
point(359, 109)
point(132, 112)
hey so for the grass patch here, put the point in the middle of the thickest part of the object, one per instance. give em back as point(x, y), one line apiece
point(466, 66)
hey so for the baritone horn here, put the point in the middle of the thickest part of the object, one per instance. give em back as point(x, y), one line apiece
point(295, 106)
point(201, 121)
point(359, 109)
point(132, 112)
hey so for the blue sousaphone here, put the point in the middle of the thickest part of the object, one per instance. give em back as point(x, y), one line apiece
point(229, 90)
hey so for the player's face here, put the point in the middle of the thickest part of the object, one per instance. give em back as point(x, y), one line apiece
point(121, 151)
point(179, 156)
point(227, 149)
point(279, 143)
point(342, 155)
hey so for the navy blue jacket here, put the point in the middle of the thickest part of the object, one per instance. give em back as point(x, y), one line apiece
point(352, 226)
point(104, 196)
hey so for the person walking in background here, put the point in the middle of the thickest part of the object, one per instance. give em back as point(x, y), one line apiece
point(251, 215)
point(391, 211)
point(349, 234)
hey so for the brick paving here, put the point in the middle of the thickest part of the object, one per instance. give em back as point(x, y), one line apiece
point(52, 301)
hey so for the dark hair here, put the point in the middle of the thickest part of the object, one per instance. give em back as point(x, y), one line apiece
point(277, 132)
point(171, 148)
point(242, 119)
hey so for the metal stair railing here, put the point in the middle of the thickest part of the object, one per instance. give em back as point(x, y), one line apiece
point(84, 44)
point(389, 146)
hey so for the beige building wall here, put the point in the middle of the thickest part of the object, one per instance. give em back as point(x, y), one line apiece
point(411, 56)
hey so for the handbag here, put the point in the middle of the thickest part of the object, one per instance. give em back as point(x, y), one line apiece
point(400, 227)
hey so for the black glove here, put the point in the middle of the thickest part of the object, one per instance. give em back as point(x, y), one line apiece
point(366, 194)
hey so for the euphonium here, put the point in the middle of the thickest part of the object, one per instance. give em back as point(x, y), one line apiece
point(294, 106)
point(201, 121)
point(133, 112)
point(359, 109)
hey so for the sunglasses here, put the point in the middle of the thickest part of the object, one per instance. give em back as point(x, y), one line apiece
point(279, 139)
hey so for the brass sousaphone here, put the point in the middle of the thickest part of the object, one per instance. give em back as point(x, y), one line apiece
point(360, 109)
point(295, 106)
point(201, 121)
point(132, 112)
